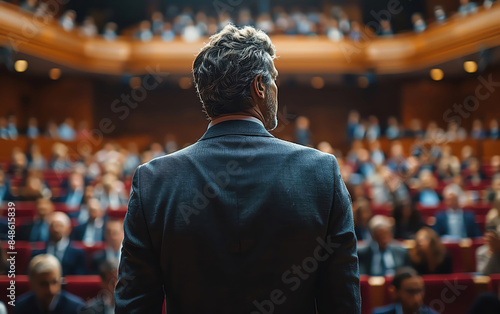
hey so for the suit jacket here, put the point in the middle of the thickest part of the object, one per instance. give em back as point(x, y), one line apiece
point(78, 232)
point(239, 222)
point(73, 261)
point(67, 304)
point(471, 228)
point(26, 229)
point(399, 254)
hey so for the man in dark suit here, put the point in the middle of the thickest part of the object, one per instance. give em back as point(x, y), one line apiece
point(72, 259)
point(455, 223)
point(93, 230)
point(114, 236)
point(104, 302)
point(381, 257)
point(239, 222)
point(408, 290)
point(75, 187)
point(46, 295)
point(38, 229)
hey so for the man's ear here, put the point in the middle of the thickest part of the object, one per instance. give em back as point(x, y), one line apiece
point(258, 87)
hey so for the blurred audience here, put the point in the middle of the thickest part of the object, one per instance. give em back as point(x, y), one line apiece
point(46, 295)
point(429, 255)
point(382, 256)
point(407, 290)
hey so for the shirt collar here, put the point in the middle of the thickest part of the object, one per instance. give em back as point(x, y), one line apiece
point(62, 244)
point(234, 117)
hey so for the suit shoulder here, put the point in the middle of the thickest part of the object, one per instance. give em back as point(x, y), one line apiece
point(387, 309)
point(305, 150)
point(72, 299)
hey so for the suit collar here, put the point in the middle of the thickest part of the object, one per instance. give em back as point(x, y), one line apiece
point(235, 127)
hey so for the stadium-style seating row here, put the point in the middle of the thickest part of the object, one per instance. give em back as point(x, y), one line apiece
point(447, 294)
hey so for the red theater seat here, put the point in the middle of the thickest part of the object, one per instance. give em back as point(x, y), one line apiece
point(495, 283)
point(86, 286)
point(365, 295)
point(22, 257)
point(456, 255)
point(449, 294)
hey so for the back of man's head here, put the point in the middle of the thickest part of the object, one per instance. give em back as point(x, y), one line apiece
point(225, 68)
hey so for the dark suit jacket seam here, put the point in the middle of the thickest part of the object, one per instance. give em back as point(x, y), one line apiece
point(142, 208)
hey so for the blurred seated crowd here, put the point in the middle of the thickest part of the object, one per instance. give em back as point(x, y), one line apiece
point(413, 209)
point(191, 25)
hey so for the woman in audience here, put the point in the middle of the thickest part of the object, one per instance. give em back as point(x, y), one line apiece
point(362, 216)
point(488, 255)
point(429, 255)
point(407, 220)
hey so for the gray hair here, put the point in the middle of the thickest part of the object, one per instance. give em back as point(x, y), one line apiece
point(225, 68)
point(43, 263)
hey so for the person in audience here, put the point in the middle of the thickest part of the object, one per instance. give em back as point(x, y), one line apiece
point(362, 216)
point(52, 130)
point(5, 191)
point(46, 295)
point(474, 172)
point(493, 193)
point(381, 257)
point(407, 220)
point(32, 131)
point(352, 124)
point(429, 255)
point(455, 132)
point(92, 230)
point(67, 20)
point(88, 29)
point(494, 165)
point(467, 8)
point(157, 23)
point(113, 236)
point(38, 229)
point(376, 154)
point(427, 195)
point(373, 131)
point(494, 131)
point(488, 255)
point(302, 132)
point(364, 165)
point(485, 303)
point(355, 34)
point(33, 188)
point(104, 303)
point(19, 166)
point(397, 159)
point(4, 133)
point(72, 259)
point(144, 32)
point(82, 212)
point(75, 190)
point(419, 24)
point(67, 130)
point(408, 290)
point(333, 32)
point(36, 161)
point(12, 127)
point(439, 14)
point(109, 32)
point(416, 129)
point(455, 223)
point(392, 131)
point(478, 132)
point(168, 33)
point(110, 192)
point(59, 160)
point(385, 29)
point(107, 154)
